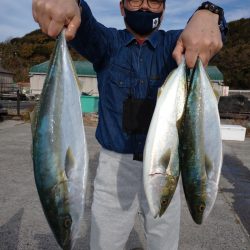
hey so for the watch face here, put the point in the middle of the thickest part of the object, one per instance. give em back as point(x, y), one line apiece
point(211, 8)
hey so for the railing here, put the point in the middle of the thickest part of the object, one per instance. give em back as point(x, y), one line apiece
point(245, 93)
point(12, 99)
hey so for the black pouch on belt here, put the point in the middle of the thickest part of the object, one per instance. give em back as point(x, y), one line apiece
point(137, 114)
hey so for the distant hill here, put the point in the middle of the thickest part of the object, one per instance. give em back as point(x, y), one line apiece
point(19, 54)
point(234, 58)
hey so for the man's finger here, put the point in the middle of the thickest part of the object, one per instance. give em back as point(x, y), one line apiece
point(191, 56)
point(178, 52)
point(204, 59)
point(54, 28)
point(72, 28)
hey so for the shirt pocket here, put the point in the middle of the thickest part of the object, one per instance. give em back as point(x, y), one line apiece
point(155, 82)
point(119, 86)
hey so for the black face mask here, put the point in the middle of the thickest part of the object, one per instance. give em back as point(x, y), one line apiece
point(142, 22)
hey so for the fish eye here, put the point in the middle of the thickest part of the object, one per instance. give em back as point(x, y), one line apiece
point(164, 202)
point(67, 221)
point(202, 208)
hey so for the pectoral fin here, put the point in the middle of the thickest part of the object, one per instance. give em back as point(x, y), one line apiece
point(165, 159)
point(69, 162)
point(208, 165)
point(159, 92)
point(33, 118)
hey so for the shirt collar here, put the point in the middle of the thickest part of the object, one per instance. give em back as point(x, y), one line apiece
point(152, 39)
point(129, 38)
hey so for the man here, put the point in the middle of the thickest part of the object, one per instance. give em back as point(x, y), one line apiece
point(131, 65)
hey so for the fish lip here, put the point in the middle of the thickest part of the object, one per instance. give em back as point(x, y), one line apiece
point(198, 220)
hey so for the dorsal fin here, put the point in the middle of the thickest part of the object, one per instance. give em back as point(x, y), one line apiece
point(159, 92)
point(69, 162)
point(33, 118)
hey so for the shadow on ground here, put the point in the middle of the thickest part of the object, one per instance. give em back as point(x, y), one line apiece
point(239, 176)
point(9, 232)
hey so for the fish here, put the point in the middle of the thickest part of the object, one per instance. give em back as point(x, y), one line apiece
point(59, 148)
point(161, 168)
point(200, 148)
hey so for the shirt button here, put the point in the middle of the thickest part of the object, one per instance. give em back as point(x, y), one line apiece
point(141, 81)
point(141, 60)
point(120, 82)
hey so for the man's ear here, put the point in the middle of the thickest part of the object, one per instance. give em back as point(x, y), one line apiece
point(122, 8)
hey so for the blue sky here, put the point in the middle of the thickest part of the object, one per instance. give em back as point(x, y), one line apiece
point(16, 17)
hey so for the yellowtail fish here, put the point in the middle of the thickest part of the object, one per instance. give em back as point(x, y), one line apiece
point(160, 158)
point(200, 146)
point(60, 155)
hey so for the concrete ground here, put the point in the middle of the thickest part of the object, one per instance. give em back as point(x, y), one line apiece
point(24, 227)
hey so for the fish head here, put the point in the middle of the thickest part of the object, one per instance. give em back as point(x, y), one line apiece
point(197, 206)
point(153, 191)
point(59, 215)
point(63, 232)
point(167, 193)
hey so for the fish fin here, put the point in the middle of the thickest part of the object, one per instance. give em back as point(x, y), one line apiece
point(208, 165)
point(63, 176)
point(33, 118)
point(69, 162)
point(79, 83)
point(165, 159)
point(159, 92)
point(217, 94)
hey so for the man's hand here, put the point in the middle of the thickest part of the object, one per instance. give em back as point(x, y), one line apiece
point(53, 15)
point(201, 37)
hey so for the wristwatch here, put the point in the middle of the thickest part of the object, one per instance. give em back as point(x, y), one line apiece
point(213, 8)
point(216, 10)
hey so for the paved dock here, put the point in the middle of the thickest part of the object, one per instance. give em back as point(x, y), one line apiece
point(24, 227)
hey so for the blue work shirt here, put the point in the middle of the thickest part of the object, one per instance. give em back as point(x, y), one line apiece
point(123, 67)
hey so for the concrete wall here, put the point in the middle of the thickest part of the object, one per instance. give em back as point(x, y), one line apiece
point(36, 84)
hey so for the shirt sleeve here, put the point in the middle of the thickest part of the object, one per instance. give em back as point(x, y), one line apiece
point(92, 38)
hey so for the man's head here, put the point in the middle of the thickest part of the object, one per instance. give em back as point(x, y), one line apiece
point(142, 17)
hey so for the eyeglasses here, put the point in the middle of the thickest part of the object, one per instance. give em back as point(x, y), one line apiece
point(153, 4)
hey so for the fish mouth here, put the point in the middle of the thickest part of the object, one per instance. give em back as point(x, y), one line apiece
point(66, 244)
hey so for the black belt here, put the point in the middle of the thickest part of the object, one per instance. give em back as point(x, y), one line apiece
point(138, 157)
